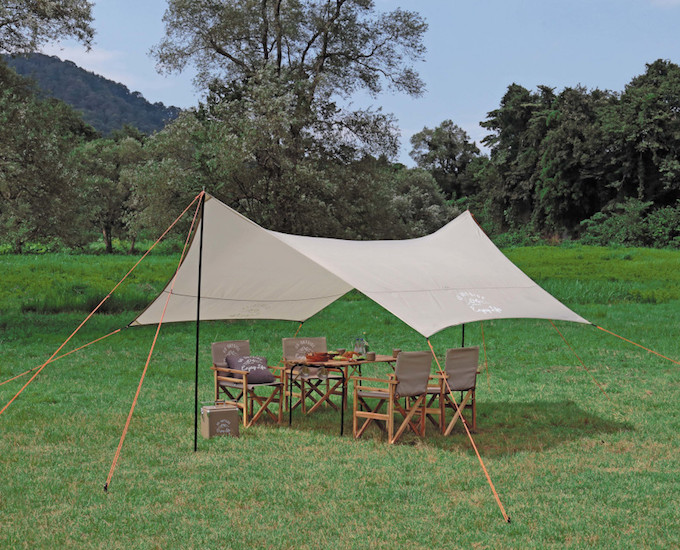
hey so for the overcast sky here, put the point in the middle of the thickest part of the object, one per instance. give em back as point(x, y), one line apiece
point(475, 50)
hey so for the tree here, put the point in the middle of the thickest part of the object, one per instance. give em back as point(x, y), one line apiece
point(643, 132)
point(518, 127)
point(105, 191)
point(27, 24)
point(446, 153)
point(575, 165)
point(38, 190)
point(274, 71)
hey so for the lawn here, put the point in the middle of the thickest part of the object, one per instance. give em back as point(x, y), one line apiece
point(573, 467)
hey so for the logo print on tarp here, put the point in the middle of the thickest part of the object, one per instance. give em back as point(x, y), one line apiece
point(477, 303)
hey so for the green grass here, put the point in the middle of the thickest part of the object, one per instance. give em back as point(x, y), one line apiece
point(573, 468)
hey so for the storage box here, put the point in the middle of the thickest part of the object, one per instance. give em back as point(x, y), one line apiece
point(219, 420)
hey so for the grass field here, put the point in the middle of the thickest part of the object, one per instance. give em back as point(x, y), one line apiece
point(574, 468)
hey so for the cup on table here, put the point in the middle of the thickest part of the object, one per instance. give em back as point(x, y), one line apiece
point(370, 356)
point(395, 352)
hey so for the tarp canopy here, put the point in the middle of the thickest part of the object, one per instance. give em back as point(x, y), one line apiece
point(455, 275)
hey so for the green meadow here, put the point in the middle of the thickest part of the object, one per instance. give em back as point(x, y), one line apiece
point(575, 464)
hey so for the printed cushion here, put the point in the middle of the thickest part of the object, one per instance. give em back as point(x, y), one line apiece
point(255, 366)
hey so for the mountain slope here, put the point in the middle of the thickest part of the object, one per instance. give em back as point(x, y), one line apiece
point(105, 104)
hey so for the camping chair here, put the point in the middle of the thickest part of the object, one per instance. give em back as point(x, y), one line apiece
point(408, 381)
point(461, 374)
point(241, 392)
point(307, 382)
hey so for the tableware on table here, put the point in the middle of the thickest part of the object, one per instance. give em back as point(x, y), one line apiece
point(395, 352)
point(370, 356)
point(341, 351)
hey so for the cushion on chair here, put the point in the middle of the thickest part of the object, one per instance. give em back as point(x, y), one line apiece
point(255, 366)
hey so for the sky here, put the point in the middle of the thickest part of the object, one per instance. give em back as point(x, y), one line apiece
point(475, 50)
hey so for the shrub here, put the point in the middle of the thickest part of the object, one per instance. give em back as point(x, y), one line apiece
point(623, 224)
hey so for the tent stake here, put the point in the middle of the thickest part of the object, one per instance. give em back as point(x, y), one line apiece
point(198, 318)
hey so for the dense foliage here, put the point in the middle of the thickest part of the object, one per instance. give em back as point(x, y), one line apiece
point(271, 140)
point(104, 104)
point(558, 159)
point(276, 140)
point(39, 193)
point(27, 24)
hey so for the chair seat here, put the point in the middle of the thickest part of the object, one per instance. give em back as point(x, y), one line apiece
point(237, 385)
point(374, 394)
point(436, 390)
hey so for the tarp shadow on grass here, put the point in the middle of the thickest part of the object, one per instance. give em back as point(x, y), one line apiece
point(503, 428)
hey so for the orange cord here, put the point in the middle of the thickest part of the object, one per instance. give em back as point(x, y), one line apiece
point(63, 355)
point(298, 330)
point(638, 345)
point(467, 430)
point(148, 359)
point(96, 308)
point(581, 361)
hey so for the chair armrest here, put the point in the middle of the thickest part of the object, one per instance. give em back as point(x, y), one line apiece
point(229, 371)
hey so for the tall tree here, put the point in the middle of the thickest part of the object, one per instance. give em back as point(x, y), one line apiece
point(101, 165)
point(518, 127)
point(27, 24)
point(275, 70)
point(38, 190)
point(575, 167)
point(446, 152)
point(644, 133)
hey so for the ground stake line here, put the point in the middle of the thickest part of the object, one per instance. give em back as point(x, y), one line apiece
point(62, 355)
point(638, 345)
point(506, 517)
point(580, 361)
point(96, 308)
point(148, 359)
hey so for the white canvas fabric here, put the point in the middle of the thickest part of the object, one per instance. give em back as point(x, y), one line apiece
point(455, 275)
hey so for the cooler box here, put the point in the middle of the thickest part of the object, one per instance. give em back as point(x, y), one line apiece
point(219, 420)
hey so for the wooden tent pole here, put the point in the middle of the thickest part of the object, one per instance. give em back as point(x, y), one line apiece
point(198, 318)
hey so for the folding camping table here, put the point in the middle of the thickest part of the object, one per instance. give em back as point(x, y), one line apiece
point(342, 367)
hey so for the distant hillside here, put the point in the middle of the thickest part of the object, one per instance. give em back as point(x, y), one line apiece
point(105, 104)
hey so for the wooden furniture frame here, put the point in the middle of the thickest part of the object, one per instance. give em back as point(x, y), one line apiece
point(309, 382)
point(238, 392)
point(414, 370)
point(460, 376)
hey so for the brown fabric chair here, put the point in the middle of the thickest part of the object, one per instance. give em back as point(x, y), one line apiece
point(409, 381)
point(308, 383)
point(238, 391)
point(460, 376)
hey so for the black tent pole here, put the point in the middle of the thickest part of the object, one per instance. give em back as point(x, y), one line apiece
point(462, 339)
point(198, 318)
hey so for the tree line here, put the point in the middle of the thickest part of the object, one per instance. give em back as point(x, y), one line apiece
point(271, 140)
point(594, 164)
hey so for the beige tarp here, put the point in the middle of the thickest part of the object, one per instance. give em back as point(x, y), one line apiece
point(455, 275)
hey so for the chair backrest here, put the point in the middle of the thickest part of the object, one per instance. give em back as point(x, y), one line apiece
point(220, 350)
point(412, 371)
point(298, 348)
point(461, 368)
